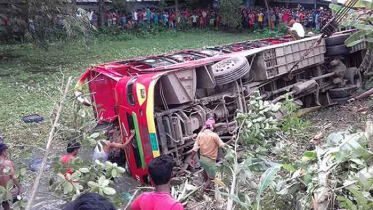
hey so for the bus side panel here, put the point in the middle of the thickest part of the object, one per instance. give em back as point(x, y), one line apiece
point(102, 89)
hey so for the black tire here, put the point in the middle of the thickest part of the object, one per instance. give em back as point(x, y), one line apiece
point(230, 70)
point(337, 50)
point(343, 92)
point(336, 40)
point(353, 76)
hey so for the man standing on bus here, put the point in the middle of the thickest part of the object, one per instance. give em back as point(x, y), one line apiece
point(208, 143)
point(296, 30)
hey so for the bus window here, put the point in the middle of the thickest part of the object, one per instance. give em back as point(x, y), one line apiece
point(129, 93)
point(134, 144)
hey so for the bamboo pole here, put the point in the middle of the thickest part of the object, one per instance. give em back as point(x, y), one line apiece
point(47, 148)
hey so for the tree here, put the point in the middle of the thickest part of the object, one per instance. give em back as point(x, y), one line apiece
point(101, 13)
point(41, 21)
point(229, 12)
point(268, 14)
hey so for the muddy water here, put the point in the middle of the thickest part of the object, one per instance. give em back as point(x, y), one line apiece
point(46, 200)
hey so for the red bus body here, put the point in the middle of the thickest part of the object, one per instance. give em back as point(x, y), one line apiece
point(164, 98)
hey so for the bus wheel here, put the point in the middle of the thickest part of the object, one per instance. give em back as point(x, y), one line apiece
point(353, 76)
point(230, 70)
point(336, 40)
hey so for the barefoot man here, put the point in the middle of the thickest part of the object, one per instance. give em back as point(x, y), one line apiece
point(7, 174)
point(208, 144)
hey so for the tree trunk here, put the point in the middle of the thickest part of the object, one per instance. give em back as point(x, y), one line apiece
point(268, 15)
point(177, 8)
point(101, 13)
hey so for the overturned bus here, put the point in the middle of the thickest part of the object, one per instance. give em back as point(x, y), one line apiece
point(167, 98)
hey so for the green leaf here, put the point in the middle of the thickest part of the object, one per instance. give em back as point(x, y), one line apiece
point(76, 175)
point(236, 199)
point(356, 38)
point(114, 173)
point(94, 135)
point(61, 176)
point(93, 184)
point(67, 188)
point(309, 155)
point(9, 185)
point(101, 180)
point(360, 198)
point(105, 183)
point(121, 170)
point(84, 170)
point(346, 203)
point(2, 189)
point(109, 191)
point(108, 165)
point(289, 167)
point(266, 179)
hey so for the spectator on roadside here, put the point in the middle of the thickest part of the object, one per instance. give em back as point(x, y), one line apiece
point(286, 17)
point(148, 15)
point(194, 20)
point(160, 172)
point(260, 19)
point(135, 16)
point(317, 20)
point(156, 18)
point(171, 20)
point(123, 20)
point(212, 21)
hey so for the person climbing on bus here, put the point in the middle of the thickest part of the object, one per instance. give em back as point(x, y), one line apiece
point(160, 172)
point(296, 29)
point(208, 144)
point(103, 147)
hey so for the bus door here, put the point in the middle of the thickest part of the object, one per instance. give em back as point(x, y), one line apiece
point(135, 110)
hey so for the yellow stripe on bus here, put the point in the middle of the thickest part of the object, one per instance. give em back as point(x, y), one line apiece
point(150, 119)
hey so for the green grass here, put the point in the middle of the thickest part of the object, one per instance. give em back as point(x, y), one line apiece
point(30, 76)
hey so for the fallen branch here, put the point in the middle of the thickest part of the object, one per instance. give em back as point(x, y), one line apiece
point(130, 201)
point(47, 148)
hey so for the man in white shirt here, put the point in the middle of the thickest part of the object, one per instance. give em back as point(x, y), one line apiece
point(134, 16)
point(296, 30)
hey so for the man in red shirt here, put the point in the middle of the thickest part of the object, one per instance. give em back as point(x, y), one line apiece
point(72, 151)
point(160, 171)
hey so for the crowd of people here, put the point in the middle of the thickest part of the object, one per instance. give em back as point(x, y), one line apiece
point(203, 18)
point(147, 17)
point(309, 18)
